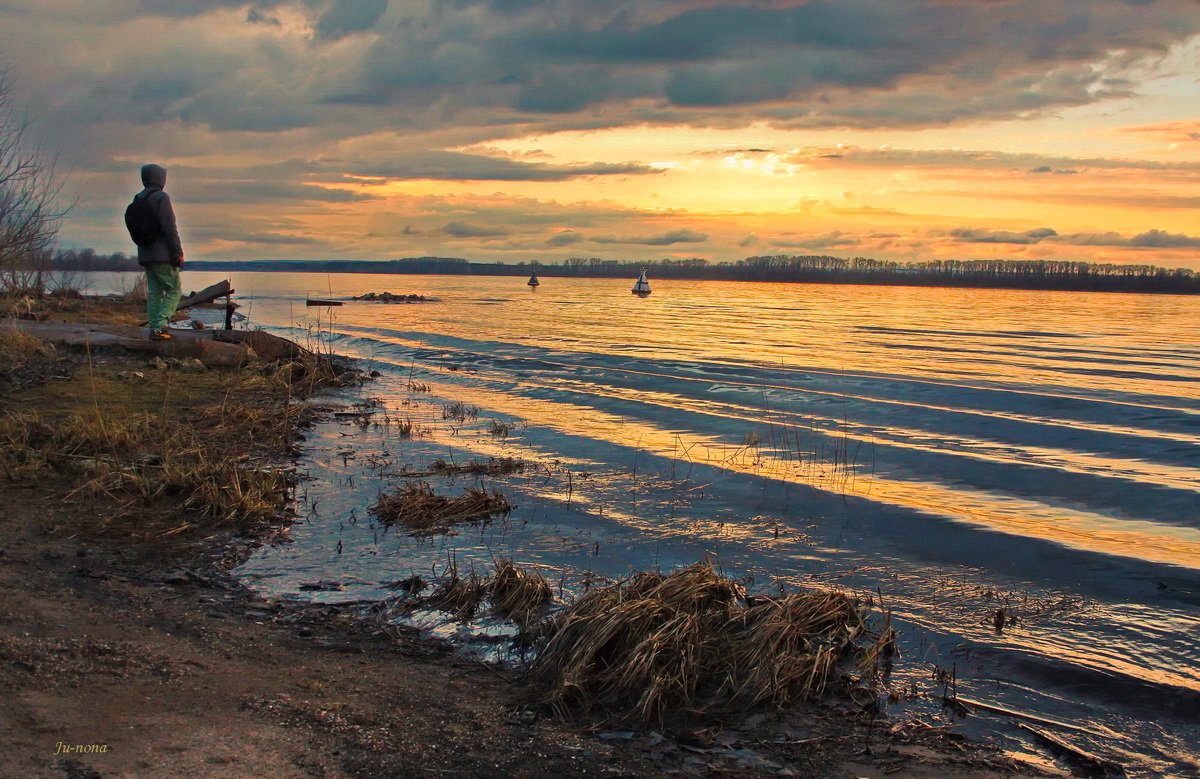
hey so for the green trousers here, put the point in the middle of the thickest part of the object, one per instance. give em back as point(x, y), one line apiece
point(162, 294)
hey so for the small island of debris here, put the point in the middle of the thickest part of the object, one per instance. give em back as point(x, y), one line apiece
point(391, 297)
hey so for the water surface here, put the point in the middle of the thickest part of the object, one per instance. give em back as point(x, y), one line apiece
point(954, 451)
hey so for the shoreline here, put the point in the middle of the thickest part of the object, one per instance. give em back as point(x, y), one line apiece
point(162, 656)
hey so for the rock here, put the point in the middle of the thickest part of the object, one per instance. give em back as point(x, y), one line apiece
point(325, 586)
point(181, 364)
point(268, 347)
point(130, 375)
point(219, 354)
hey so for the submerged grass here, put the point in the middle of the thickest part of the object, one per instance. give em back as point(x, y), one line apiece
point(416, 506)
point(459, 411)
point(494, 466)
point(656, 647)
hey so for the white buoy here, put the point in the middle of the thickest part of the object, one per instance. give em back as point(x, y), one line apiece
point(641, 287)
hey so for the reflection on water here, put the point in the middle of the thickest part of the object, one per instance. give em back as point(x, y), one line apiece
point(957, 451)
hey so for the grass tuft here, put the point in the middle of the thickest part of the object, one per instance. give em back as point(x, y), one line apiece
point(519, 594)
point(17, 350)
point(500, 429)
point(416, 506)
point(656, 646)
point(460, 412)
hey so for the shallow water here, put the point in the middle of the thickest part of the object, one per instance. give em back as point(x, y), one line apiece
point(951, 450)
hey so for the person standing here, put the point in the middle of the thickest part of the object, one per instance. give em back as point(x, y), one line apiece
point(151, 223)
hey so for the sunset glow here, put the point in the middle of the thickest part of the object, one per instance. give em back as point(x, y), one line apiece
point(520, 130)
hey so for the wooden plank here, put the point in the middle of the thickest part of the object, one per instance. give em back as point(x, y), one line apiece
point(206, 295)
point(1072, 752)
point(1030, 717)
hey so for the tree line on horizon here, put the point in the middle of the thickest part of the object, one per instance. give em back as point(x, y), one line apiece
point(820, 269)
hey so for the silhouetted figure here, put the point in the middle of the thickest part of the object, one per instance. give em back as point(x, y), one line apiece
point(151, 223)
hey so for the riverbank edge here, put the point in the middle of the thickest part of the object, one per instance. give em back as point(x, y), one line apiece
point(144, 652)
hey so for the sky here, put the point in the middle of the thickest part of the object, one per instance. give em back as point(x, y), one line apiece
point(519, 130)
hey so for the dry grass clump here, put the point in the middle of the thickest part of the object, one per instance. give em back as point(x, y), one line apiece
point(493, 467)
point(657, 646)
point(416, 506)
point(219, 491)
point(515, 593)
point(72, 305)
point(163, 479)
point(518, 594)
point(458, 595)
point(18, 350)
point(146, 464)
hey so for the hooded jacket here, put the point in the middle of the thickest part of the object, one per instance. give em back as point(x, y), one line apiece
point(166, 246)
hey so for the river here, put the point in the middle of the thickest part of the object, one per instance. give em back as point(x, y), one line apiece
point(952, 451)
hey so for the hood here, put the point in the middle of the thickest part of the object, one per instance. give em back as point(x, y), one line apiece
point(154, 176)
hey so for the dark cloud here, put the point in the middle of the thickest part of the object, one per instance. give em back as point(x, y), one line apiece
point(1048, 169)
point(459, 166)
point(665, 239)
point(564, 238)
point(842, 156)
point(349, 16)
point(467, 230)
point(191, 190)
point(1151, 239)
point(973, 235)
point(831, 240)
point(275, 239)
point(845, 62)
point(455, 63)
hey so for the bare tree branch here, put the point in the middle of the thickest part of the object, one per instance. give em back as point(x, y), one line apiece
point(30, 213)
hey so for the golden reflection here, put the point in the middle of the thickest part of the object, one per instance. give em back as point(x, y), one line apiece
point(830, 470)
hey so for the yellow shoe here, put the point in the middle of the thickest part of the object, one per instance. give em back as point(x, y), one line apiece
point(160, 335)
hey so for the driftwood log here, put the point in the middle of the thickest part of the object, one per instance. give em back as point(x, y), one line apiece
point(207, 295)
point(200, 344)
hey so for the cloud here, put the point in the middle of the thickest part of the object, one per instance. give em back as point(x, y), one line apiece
point(209, 190)
point(457, 63)
point(467, 230)
point(980, 159)
point(831, 240)
point(349, 16)
point(273, 239)
point(293, 96)
point(441, 165)
point(973, 235)
point(1151, 239)
point(1048, 169)
point(664, 239)
point(564, 238)
point(1174, 132)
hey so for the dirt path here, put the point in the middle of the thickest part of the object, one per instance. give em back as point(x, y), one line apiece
point(181, 673)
